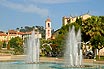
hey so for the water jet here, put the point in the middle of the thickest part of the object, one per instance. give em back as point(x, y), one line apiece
point(32, 48)
point(73, 52)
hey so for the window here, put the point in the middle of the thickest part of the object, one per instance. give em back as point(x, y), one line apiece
point(48, 25)
point(48, 32)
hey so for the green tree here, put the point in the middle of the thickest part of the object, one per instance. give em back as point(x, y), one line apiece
point(90, 29)
point(101, 18)
point(1, 44)
point(45, 46)
point(28, 29)
point(4, 44)
point(98, 42)
point(41, 30)
point(17, 44)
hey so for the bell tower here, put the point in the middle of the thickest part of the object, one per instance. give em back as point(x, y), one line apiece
point(48, 28)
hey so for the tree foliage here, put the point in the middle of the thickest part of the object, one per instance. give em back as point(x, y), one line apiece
point(17, 44)
point(92, 29)
point(98, 42)
point(4, 44)
point(28, 29)
point(1, 44)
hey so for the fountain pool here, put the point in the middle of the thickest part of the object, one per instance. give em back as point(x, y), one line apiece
point(42, 65)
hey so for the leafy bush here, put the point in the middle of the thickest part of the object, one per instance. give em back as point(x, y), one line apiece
point(101, 57)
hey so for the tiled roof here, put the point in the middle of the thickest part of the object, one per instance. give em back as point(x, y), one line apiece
point(20, 33)
point(27, 33)
point(3, 34)
point(12, 31)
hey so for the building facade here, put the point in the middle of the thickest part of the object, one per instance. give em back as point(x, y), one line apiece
point(13, 33)
point(3, 37)
point(71, 19)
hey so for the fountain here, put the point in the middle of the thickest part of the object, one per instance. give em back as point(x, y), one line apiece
point(73, 55)
point(73, 52)
point(32, 49)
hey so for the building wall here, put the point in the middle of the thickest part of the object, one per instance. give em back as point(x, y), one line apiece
point(67, 20)
point(101, 52)
point(3, 38)
point(48, 29)
point(85, 16)
point(9, 36)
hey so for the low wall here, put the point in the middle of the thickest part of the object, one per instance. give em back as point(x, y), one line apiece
point(42, 59)
point(11, 57)
point(21, 57)
point(6, 57)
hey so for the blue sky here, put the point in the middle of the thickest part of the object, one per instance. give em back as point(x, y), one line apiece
point(20, 13)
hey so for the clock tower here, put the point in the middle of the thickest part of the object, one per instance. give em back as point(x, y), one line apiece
point(48, 28)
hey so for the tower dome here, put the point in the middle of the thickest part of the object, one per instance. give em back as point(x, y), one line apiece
point(48, 20)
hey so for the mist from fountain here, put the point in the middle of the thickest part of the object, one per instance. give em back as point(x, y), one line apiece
point(73, 52)
point(32, 48)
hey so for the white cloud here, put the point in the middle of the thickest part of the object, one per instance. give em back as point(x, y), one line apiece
point(55, 1)
point(31, 8)
point(50, 1)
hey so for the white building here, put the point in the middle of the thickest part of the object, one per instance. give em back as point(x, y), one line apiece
point(48, 29)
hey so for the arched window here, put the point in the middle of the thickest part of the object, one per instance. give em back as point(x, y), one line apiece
point(48, 24)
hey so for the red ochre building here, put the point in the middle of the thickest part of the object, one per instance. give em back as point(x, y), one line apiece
point(13, 33)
